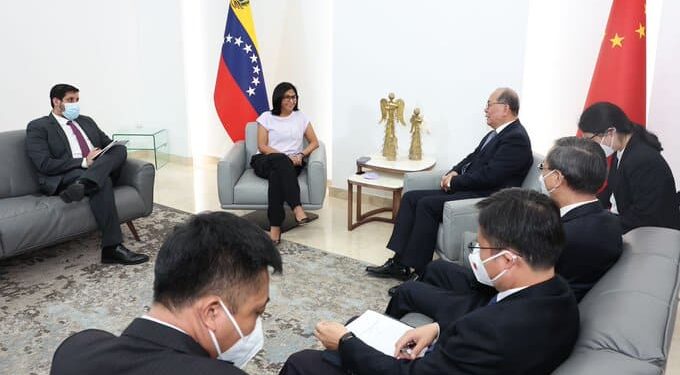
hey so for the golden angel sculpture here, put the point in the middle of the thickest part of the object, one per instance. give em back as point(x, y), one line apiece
point(391, 111)
point(416, 150)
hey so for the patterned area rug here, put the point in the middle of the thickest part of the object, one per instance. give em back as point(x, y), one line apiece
point(46, 296)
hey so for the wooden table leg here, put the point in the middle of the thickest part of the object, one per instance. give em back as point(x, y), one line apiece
point(396, 202)
point(359, 215)
point(349, 205)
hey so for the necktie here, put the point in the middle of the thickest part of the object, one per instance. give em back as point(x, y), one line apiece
point(84, 150)
point(493, 300)
point(488, 139)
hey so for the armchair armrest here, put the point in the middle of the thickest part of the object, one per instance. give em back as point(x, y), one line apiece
point(460, 227)
point(229, 170)
point(140, 175)
point(316, 175)
point(426, 180)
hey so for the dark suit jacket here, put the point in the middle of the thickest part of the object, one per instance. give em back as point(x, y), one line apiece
point(47, 146)
point(144, 348)
point(644, 188)
point(504, 162)
point(529, 332)
point(593, 245)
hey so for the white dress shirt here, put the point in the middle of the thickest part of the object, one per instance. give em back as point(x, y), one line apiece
point(147, 317)
point(567, 208)
point(72, 140)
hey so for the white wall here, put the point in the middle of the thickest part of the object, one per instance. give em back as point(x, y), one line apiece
point(662, 117)
point(122, 56)
point(293, 38)
point(445, 57)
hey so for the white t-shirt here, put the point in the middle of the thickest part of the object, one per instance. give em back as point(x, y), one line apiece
point(286, 134)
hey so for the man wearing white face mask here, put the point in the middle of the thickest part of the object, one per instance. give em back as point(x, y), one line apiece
point(211, 287)
point(64, 147)
point(571, 175)
point(529, 327)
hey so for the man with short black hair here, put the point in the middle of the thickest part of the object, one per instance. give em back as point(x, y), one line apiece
point(211, 286)
point(529, 326)
point(571, 174)
point(502, 159)
point(65, 148)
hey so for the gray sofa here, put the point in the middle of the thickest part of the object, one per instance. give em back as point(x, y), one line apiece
point(240, 189)
point(30, 220)
point(459, 224)
point(627, 319)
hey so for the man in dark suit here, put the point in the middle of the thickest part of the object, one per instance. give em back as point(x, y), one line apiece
point(65, 148)
point(211, 286)
point(529, 327)
point(501, 160)
point(571, 174)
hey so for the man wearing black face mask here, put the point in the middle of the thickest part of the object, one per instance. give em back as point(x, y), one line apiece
point(211, 286)
point(64, 147)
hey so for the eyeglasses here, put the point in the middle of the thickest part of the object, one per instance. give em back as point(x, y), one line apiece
point(489, 104)
point(290, 97)
point(475, 245)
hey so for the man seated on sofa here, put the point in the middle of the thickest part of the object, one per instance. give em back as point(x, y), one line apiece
point(571, 174)
point(529, 327)
point(501, 160)
point(211, 286)
point(64, 146)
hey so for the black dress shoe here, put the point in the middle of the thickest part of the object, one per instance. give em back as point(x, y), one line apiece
point(122, 255)
point(73, 193)
point(393, 290)
point(391, 268)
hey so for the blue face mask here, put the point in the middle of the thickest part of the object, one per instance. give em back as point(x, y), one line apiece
point(71, 110)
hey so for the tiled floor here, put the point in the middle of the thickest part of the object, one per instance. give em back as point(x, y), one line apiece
point(195, 189)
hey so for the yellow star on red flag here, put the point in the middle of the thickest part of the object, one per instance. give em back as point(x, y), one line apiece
point(617, 40)
point(641, 31)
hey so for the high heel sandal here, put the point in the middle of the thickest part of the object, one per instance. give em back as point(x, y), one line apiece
point(303, 221)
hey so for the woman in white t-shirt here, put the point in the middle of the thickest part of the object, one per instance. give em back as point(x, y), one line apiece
point(280, 136)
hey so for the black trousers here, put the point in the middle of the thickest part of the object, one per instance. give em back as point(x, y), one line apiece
point(446, 292)
point(309, 362)
point(414, 236)
point(283, 183)
point(101, 176)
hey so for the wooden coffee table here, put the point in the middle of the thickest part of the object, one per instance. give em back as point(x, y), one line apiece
point(390, 178)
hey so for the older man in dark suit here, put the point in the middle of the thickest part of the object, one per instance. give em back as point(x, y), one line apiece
point(529, 326)
point(65, 148)
point(211, 287)
point(571, 174)
point(501, 160)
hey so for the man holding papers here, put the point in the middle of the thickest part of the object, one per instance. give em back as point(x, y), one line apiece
point(529, 327)
point(65, 148)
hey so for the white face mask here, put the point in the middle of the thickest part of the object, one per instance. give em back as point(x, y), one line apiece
point(479, 269)
point(541, 180)
point(608, 150)
point(245, 348)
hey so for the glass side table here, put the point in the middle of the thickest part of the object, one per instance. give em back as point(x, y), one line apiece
point(143, 139)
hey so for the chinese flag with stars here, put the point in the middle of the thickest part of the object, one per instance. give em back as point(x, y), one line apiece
point(620, 72)
point(240, 94)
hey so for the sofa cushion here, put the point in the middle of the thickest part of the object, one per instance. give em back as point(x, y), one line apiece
point(34, 221)
point(251, 189)
point(17, 170)
point(585, 362)
point(631, 309)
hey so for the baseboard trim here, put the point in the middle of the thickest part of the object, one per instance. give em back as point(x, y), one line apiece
point(366, 197)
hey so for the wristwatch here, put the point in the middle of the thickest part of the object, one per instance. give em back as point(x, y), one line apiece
point(347, 336)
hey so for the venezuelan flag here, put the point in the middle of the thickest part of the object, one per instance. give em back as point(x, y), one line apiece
point(240, 93)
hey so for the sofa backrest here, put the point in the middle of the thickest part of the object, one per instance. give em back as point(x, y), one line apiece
point(531, 180)
point(17, 173)
point(627, 319)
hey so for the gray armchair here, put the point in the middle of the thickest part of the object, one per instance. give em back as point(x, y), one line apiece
point(240, 189)
point(459, 224)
